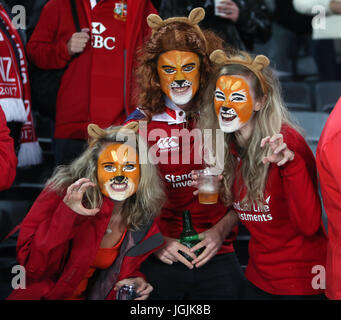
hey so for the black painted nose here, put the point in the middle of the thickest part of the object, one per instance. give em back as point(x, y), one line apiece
point(180, 82)
point(119, 179)
point(225, 109)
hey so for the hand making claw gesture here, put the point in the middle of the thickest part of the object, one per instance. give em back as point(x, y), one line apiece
point(74, 196)
point(280, 153)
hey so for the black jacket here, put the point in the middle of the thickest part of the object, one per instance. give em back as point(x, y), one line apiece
point(253, 25)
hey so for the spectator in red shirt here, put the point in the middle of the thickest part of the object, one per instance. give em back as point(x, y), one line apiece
point(329, 169)
point(270, 178)
point(97, 85)
point(93, 224)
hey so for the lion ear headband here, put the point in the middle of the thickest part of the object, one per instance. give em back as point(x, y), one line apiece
point(96, 133)
point(155, 22)
point(256, 65)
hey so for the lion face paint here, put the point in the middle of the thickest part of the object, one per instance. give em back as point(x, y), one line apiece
point(233, 102)
point(118, 171)
point(179, 75)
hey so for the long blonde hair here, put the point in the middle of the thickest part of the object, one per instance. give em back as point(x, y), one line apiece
point(138, 209)
point(267, 122)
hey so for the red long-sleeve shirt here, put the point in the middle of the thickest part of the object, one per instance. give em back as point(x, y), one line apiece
point(329, 169)
point(287, 236)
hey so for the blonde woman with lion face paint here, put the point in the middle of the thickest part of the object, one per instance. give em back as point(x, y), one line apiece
point(93, 224)
point(269, 178)
point(172, 75)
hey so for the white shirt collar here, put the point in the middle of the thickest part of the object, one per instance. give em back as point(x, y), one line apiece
point(180, 115)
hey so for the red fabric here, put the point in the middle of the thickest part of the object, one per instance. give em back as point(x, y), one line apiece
point(287, 237)
point(105, 257)
point(57, 247)
point(329, 169)
point(92, 87)
point(8, 160)
point(177, 180)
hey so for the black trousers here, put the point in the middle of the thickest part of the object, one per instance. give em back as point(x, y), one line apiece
point(219, 279)
point(254, 293)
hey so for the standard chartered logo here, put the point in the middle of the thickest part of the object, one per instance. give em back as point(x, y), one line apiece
point(98, 41)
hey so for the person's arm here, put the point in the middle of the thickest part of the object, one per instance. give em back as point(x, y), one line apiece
point(301, 189)
point(8, 159)
point(45, 49)
point(47, 229)
point(214, 237)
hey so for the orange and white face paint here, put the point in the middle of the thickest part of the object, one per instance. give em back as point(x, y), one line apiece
point(118, 171)
point(233, 102)
point(179, 73)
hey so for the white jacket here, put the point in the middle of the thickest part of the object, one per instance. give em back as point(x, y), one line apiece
point(326, 26)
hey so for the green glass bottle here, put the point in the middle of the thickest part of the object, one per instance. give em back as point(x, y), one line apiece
point(189, 237)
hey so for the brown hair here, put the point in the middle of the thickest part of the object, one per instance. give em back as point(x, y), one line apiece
point(172, 36)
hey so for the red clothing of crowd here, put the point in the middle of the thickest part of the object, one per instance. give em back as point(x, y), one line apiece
point(329, 169)
point(168, 143)
point(287, 235)
point(58, 246)
point(97, 86)
point(8, 159)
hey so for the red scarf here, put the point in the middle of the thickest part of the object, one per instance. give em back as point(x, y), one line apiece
point(15, 97)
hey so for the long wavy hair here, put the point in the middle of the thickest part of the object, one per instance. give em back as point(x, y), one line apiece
point(173, 36)
point(137, 210)
point(267, 122)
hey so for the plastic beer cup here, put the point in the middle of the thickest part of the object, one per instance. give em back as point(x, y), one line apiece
point(208, 186)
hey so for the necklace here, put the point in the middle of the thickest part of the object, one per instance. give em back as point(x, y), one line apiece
point(109, 230)
point(115, 217)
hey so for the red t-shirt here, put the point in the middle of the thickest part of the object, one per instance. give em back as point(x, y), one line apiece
point(287, 236)
point(167, 143)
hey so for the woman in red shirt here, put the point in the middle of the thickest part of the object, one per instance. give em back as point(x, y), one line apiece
point(90, 229)
point(269, 177)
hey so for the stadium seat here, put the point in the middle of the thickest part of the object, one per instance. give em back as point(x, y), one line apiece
point(326, 95)
point(297, 95)
point(12, 212)
point(312, 124)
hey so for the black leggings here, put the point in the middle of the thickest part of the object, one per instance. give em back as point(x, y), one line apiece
point(219, 279)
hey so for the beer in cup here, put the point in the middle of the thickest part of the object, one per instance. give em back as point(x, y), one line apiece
point(208, 185)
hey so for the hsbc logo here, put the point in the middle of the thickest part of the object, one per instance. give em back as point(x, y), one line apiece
point(99, 41)
point(168, 143)
point(97, 28)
